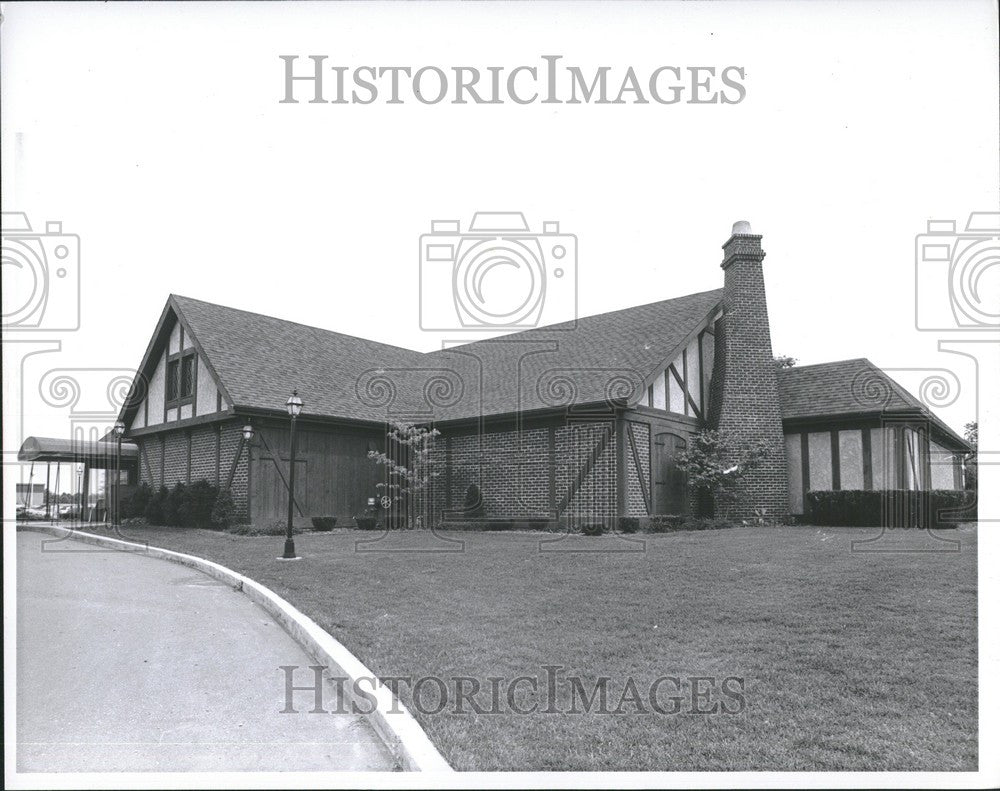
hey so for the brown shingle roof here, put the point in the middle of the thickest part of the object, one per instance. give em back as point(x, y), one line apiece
point(847, 387)
point(259, 359)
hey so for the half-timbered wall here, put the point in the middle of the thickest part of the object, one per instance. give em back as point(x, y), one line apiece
point(203, 397)
point(873, 457)
point(683, 386)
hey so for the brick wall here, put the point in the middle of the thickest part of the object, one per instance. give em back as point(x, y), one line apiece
point(744, 395)
point(186, 455)
point(512, 470)
point(636, 502)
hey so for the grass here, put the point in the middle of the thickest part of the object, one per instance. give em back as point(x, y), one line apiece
point(851, 661)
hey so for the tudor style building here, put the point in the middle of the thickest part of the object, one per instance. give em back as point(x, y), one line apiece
point(585, 418)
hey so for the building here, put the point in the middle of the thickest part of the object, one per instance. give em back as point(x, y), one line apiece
point(585, 418)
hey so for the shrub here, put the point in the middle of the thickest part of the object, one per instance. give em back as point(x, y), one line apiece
point(664, 523)
point(539, 524)
point(324, 522)
point(195, 504)
point(628, 524)
point(224, 510)
point(366, 522)
point(592, 528)
point(154, 511)
point(472, 506)
point(135, 504)
point(172, 503)
point(934, 508)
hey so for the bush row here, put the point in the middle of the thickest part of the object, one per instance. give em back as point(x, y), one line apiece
point(935, 508)
point(595, 526)
point(199, 504)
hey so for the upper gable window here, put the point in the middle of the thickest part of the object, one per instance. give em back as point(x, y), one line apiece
point(180, 378)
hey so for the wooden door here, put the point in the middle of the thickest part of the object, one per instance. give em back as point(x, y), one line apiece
point(669, 481)
point(270, 500)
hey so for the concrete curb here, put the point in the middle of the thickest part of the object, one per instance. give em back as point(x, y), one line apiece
point(391, 720)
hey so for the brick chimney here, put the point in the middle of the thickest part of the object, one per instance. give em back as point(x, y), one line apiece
point(744, 396)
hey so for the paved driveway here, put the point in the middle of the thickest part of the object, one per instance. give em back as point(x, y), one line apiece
point(128, 663)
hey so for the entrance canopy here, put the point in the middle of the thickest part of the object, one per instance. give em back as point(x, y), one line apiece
point(97, 455)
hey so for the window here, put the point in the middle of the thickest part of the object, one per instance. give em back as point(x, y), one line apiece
point(172, 369)
point(180, 378)
point(187, 376)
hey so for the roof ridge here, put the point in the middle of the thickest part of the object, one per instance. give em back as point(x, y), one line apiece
point(296, 323)
point(544, 327)
point(830, 362)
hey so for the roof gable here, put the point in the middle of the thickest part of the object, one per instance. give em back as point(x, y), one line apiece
point(848, 387)
point(257, 360)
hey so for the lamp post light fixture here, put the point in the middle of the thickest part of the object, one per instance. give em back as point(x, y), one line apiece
point(119, 431)
point(294, 407)
point(248, 432)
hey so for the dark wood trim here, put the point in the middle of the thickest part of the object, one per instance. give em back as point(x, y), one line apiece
point(447, 472)
point(957, 468)
point(866, 458)
point(585, 469)
point(277, 465)
point(201, 352)
point(701, 374)
point(688, 400)
point(218, 400)
point(676, 417)
point(145, 459)
point(218, 453)
point(702, 326)
point(621, 466)
point(804, 439)
point(835, 459)
point(552, 469)
point(899, 448)
point(638, 468)
point(923, 443)
point(190, 422)
point(235, 464)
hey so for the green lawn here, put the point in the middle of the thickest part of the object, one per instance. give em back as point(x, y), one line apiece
point(858, 661)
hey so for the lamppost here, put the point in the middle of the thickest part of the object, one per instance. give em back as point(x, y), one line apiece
point(119, 430)
point(79, 488)
point(294, 407)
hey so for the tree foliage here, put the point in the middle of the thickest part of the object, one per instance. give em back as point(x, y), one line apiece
point(715, 463)
point(410, 471)
point(972, 459)
point(784, 361)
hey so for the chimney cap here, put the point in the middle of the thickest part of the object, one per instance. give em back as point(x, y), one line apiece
point(741, 227)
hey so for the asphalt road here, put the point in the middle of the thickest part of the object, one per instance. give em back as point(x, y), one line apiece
point(129, 663)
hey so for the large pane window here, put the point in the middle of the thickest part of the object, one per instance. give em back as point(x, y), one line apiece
point(820, 462)
point(180, 378)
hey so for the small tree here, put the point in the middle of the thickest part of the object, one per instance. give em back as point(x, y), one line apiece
point(971, 458)
point(784, 361)
point(716, 464)
point(408, 477)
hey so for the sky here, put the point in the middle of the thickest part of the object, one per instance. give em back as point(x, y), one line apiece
point(155, 132)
